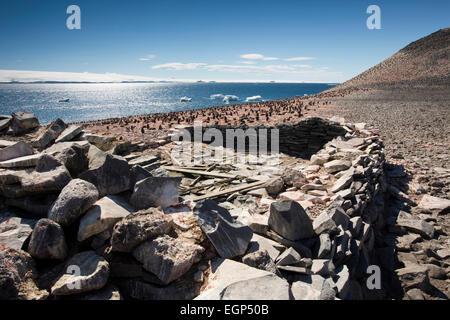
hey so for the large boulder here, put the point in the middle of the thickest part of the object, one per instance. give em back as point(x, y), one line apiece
point(49, 176)
point(74, 200)
point(168, 258)
point(229, 237)
point(14, 230)
point(73, 155)
point(18, 275)
point(102, 216)
point(313, 287)
point(269, 287)
point(69, 133)
point(109, 173)
point(225, 272)
point(289, 219)
point(23, 121)
point(155, 192)
point(49, 135)
point(87, 271)
point(5, 121)
point(434, 203)
point(17, 150)
point(47, 241)
point(138, 227)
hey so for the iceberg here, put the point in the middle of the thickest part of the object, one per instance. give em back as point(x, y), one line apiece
point(253, 98)
point(185, 99)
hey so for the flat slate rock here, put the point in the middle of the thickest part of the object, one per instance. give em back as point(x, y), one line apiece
point(102, 216)
point(69, 133)
point(17, 150)
point(289, 219)
point(434, 203)
point(155, 192)
point(22, 162)
point(168, 258)
point(14, 230)
point(228, 236)
point(225, 272)
point(87, 272)
point(269, 287)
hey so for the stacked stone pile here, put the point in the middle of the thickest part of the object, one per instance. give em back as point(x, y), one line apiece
point(80, 221)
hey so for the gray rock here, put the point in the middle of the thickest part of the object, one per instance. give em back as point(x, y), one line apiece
point(260, 260)
point(297, 245)
point(324, 224)
point(69, 133)
point(138, 227)
point(101, 142)
point(47, 241)
point(344, 181)
point(229, 237)
point(225, 272)
point(434, 203)
point(5, 121)
point(168, 258)
point(414, 276)
point(269, 287)
point(436, 272)
point(14, 230)
point(342, 281)
point(415, 294)
point(313, 287)
point(155, 192)
point(319, 159)
point(339, 217)
point(18, 275)
point(323, 267)
point(275, 186)
point(109, 173)
point(137, 173)
point(289, 219)
point(143, 160)
point(73, 201)
point(49, 135)
point(325, 247)
point(49, 176)
point(261, 243)
point(17, 150)
point(289, 257)
point(21, 162)
point(417, 226)
point(102, 216)
point(22, 183)
point(23, 121)
point(337, 165)
point(37, 206)
point(93, 274)
point(72, 154)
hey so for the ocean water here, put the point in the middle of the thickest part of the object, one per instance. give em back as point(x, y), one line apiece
point(102, 101)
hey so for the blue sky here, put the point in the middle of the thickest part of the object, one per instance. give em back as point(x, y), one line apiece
point(247, 40)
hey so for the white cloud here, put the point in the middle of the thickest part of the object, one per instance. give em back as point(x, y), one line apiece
point(34, 76)
point(247, 62)
point(299, 59)
point(179, 66)
point(148, 58)
point(301, 66)
point(257, 56)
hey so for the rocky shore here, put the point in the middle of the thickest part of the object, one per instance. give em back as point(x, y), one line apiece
point(87, 216)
